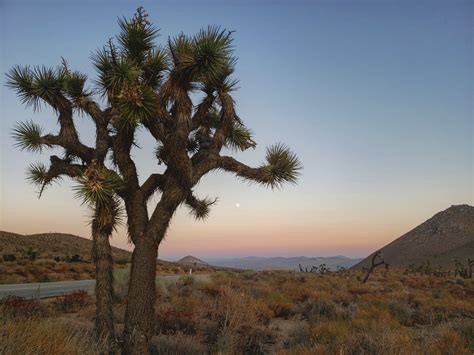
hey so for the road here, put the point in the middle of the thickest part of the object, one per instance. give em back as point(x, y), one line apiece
point(53, 289)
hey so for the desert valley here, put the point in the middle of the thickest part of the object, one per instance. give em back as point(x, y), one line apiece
point(423, 303)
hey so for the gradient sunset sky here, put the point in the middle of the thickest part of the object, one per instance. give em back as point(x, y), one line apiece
point(375, 97)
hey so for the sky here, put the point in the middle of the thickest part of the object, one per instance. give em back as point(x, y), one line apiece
point(375, 97)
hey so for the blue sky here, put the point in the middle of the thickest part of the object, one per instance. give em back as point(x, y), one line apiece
point(374, 96)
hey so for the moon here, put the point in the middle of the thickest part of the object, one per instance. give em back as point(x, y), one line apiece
point(237, 204)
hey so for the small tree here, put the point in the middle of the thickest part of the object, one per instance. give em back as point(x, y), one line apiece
point(64, 92)
point(376, 261)
point(181, 94)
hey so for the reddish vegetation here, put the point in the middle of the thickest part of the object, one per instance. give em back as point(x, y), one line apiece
point(270, 312)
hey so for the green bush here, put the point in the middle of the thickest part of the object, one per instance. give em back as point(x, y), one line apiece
point(9, 257)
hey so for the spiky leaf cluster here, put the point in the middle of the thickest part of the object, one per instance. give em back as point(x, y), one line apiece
point(135, 104)
point(38, 174)
point(108, 217)
point(282, 166)
point(97, 186)
point(200, 208)
point(28, 136)
point(240, 138)
point(74, 86)
point(205, 59)
point(49, 85)
point(37, 84)
point(154, 67)
point(137, 35)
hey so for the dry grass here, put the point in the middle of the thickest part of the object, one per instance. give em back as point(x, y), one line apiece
point(275, 312)
point(45, 336)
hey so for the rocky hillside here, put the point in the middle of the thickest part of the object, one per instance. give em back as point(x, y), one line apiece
point(52, 245)
point(446, 236)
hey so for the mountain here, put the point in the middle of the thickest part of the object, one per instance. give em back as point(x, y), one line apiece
point(52, 245)
point(282, 263)
point(191, 260)
point(447, 235)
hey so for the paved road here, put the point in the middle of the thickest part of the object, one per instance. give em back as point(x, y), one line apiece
point(45, 289)
point(53, 289)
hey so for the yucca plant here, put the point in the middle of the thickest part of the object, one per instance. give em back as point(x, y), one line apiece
point(155, 88)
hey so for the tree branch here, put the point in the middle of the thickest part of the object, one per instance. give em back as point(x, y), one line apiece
point(260, 175)
point(224, 127)
point(154, 182)
point(60, 167)
point(122, 146)
point(201, 112)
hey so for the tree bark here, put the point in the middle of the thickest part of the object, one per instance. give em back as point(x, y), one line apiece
point(139, 314)
point(102, 258)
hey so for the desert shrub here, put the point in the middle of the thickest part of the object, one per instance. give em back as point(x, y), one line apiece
point(44, 336)
point(225, 278)
point(383, 341)
point(9, 257)
point(173, 321)
point(331, 334)
point(299, 336)
point(249, 275)
point(12, 307)
point(75, 258)
point(234, 324)
point(72, 300)
point(253, 339)
point(184, 289)
point(403, 313)
point(465, 328)
point(448, 341)
point(313, 308)
point(31, 254)
point(209, 289)
point(175, 344)
point(186, 280)
point(57, 259)
point(279, 305)
point(209, 330)
point(256, 292)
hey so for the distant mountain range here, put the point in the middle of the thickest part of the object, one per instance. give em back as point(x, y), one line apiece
point(448, 235)
point(282, 263)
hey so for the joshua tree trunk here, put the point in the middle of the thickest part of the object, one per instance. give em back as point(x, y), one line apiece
point(102, 257)
point(139, 314)
point(141, 297)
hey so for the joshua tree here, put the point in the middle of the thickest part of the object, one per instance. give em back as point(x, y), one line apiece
point(181, 95)
point(64, 92)
point(374, 264)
